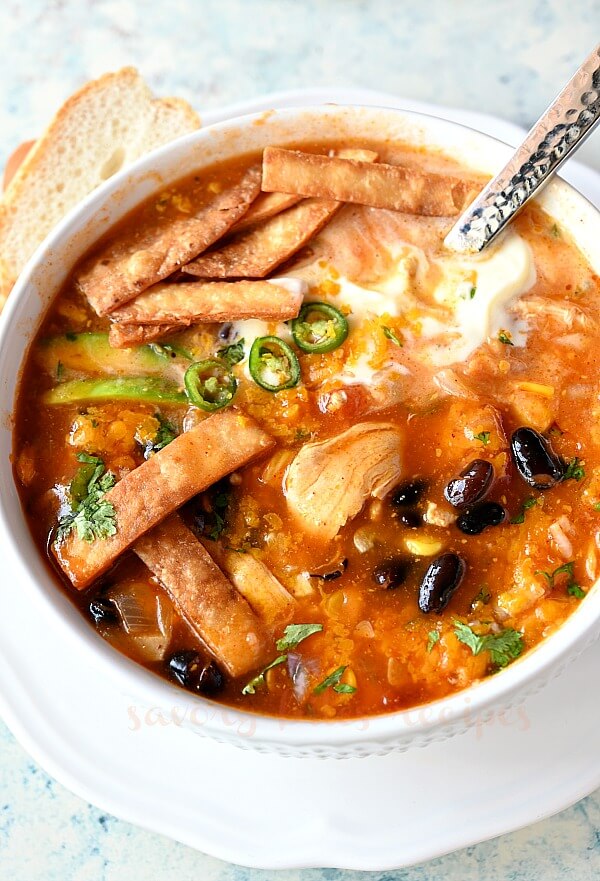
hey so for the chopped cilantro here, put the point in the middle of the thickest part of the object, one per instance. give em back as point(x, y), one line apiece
point(555, 231)
point(333, 681)
point(232, 354)
point(302, 434)
point(472, 292)
point(596, 507)
point(527, 504)
point(573, 589)
point(220, 505)
point(565, 569)
point(503, 647)
point(482, 598)
point(294, 634)
point(259, 681)
point(392, 335)
point(165, 433)
point(433, 637)
point(574, 470)
point(60, 370)
point(91, 516)
point(483, 436)
point(504, 337)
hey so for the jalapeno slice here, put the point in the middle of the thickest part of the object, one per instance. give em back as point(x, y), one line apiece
point(319, 328)
point(210, 385)
point(273, 364)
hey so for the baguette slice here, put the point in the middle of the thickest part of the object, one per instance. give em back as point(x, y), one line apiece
point(103, 127)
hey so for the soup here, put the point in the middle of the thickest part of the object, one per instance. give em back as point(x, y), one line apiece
point(284, 449)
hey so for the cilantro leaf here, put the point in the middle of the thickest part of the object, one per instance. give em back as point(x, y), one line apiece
point(165, 433)
point(527, 504)
point(232, 354)
point(472, 292)
point(482, 598)
point(574, 470)
point(574, 590)
point(565, 569)
point(504, 337)
point(483, 436)
point(503, 647)
point(333, 681)
point(294, 634)
point(91, 515)
point(433, 637)
point(392, 335)
point(259, 681)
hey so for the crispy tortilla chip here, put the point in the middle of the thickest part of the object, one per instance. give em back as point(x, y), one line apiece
point(122, 336)
point(257, 584)
point(257, 252)
point(133, 261)
point(196, 302)
point(265, 205)
point(377, 185)
point(188, 465)
point(205, 597)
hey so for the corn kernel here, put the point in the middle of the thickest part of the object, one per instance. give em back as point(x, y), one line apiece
point(423, 546)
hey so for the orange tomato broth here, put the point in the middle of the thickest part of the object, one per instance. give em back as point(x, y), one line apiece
point(380, 636)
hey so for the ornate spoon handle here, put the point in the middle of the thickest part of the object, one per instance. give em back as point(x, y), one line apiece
point(564, 126)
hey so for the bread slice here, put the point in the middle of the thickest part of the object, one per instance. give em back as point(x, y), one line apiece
point(103, 127)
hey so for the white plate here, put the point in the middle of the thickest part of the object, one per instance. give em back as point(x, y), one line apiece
point(272, 812)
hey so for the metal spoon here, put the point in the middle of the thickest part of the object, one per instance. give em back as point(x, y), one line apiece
point(559, 132)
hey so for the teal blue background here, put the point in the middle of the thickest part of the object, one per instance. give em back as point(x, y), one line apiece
point(508, 58)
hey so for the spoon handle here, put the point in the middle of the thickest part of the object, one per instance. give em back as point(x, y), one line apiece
point(564, 126)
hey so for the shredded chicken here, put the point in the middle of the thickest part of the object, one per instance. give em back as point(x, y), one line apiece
point(328, 482)
point(558, 534)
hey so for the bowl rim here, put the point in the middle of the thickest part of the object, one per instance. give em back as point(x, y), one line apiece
point(458, 709)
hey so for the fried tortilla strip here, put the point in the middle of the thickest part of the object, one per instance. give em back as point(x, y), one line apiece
point(188, 465)
point(205, 597)
point(122, 336)
point(257, 252)
point(134, 261)
point(377, 185)
point(265, 206)
point(197, 302)
point(257, 584)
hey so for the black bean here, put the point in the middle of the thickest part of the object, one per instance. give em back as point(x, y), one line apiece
point(479, 517)
point(440, 582)
point(535, 460)
point(103, 611)
point(471, 485)
point(392, 572)
point(196, 673)
point(408, 494)
point(411, 519)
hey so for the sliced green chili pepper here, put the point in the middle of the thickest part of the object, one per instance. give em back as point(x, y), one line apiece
point(273, 365)
point(210, 385)
point(135, 388)
point(319, 328)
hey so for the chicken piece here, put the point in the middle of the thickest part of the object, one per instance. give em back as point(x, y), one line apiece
point(257, 584)
point(205, 597)
point(563, 312)
point(328, 482)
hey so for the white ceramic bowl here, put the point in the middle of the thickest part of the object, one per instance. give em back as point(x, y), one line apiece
point(37, 285)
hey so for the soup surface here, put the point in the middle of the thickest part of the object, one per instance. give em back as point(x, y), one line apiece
point(382, 499)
